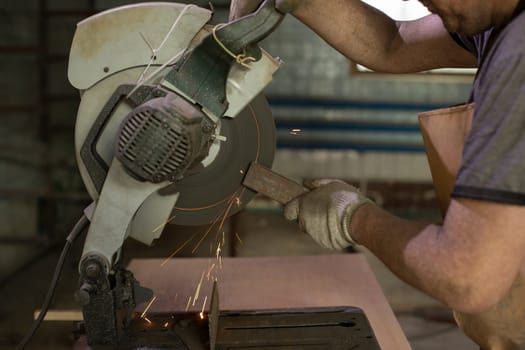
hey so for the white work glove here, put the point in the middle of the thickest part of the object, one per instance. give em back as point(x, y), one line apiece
point(325, 213)
point(240, 8)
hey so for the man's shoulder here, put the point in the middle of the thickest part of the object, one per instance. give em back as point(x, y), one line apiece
point(511, 38)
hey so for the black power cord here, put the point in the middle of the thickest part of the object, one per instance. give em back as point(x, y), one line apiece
point(75, 232)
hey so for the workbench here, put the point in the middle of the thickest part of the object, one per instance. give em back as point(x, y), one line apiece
point(262, 283)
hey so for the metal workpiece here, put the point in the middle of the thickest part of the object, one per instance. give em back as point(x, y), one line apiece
point(271, 184)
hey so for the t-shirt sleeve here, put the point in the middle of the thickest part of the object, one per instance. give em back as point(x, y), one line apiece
point(493, 166)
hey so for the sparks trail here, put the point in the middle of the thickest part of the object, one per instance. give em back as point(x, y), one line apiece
point(220, 220)
point(143, 315)
point(218, 255)
point(197, 291)
point(233, 199)
point(222, 217)
point(218, 251)
point(209, 271)
point(188, 304)
point(163, 224)
point(203, 307)
point(206, 233)
point(188, 241)
point(238, 238)
point(178, 249)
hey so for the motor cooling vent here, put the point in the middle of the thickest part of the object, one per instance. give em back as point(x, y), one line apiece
point(152, 147)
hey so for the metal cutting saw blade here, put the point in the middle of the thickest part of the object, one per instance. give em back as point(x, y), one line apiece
point(216, 191)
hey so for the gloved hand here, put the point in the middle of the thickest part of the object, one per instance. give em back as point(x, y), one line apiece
point(325, 213)
point(240, 8)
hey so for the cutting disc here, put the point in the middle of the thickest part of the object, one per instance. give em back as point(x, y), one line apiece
point(215, 192)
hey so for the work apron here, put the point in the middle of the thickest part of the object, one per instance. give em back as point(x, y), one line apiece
point(444, 131)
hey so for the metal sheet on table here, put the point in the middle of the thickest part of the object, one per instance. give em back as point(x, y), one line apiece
point(273, 283)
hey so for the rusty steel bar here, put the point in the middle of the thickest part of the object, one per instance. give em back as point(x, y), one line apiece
point(271, 184)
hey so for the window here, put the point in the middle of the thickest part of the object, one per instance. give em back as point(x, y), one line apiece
point(400, 10)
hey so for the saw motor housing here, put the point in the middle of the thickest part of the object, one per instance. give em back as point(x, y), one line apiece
point(159, 140)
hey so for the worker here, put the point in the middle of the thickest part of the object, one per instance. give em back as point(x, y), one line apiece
point(474, 260)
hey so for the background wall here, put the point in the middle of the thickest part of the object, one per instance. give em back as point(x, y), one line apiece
point(360, 127)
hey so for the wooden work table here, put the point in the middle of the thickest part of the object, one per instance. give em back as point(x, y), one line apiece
point(272, 283)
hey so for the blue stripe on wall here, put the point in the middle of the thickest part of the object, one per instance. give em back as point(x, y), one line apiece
point(322, 126)
point(342, 104)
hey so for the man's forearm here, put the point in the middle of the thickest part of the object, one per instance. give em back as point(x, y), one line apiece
point(369, 37)
point(425, 256)
point(388, 237)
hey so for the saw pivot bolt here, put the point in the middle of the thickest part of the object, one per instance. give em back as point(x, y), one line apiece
point(93, 270)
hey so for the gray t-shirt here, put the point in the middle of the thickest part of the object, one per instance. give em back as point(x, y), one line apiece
point(493, 166)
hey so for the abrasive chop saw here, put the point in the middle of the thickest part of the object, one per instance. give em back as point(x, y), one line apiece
point(170, 119)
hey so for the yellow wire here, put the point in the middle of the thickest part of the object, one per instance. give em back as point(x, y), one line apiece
point(241, 58)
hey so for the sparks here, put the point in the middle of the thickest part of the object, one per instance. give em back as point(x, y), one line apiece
point(206, 233)
point(238, 237)
point(218, 251)
point(222, 217)
point(147, 320)
point(204, 305)
point(177, 250)
point(188, 304)
point(228, 209)
point(209, 271)
point(166, 325)
point(163, 224)
point(147, 307)
point(197, 291)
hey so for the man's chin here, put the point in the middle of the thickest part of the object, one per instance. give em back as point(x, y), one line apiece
point(464, 28)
